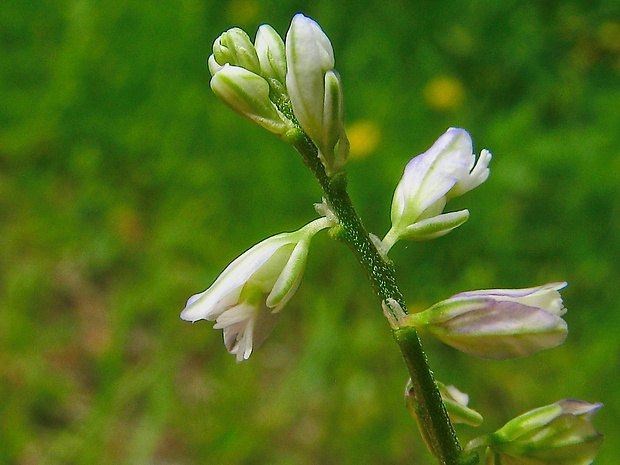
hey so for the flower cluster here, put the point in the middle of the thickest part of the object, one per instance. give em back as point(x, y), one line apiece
point(261, 81)
point(246, 75)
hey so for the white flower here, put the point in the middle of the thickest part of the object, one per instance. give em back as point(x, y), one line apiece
point(499, 323)
point(315, 90)
point(444, 171)
point(246, 298)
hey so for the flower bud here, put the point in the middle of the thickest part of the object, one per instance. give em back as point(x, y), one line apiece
point(235, 48)
point(499, 323)
point(315, 90)
point(248, 94)
point(559, 433)
point(271, 54)
point(246, 298)
point(444, 171)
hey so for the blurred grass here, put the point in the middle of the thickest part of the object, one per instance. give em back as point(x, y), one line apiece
point(125, 187)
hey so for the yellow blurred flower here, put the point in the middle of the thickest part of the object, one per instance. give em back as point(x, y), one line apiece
point(444, 93)
point(609, 36)
point(243, 11)
point(364, 137)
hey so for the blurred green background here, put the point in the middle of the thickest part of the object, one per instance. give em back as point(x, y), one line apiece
point(126, 187)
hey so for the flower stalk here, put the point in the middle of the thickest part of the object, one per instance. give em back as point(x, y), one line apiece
point(431, 412)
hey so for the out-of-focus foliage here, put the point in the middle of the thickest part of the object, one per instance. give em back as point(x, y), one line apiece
point(126, 187)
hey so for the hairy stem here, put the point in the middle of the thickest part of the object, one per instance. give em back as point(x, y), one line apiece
point(433, 419)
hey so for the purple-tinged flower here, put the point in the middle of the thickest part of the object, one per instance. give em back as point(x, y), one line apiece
point(557, 434)
point(498, 323)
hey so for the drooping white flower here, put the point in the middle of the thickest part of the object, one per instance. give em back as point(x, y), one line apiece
point(499, 323)
point(315, 90)
point(557, 434)
point(444, 171)
point(245, 299)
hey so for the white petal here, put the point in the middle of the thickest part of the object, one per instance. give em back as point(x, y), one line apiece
point(226, 289)
point(429, 176)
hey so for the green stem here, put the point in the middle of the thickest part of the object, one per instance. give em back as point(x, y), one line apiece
point(432, 416)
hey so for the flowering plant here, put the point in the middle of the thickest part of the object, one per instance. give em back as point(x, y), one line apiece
point(291, 88)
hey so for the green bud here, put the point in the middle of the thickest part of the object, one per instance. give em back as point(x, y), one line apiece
point(235, 48)
point(271, 54)
point(248, 94)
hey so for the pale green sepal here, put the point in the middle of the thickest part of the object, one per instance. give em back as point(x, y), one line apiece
point(528, 421)
point(456, 405)
point(213, 65)
point(248, 94)
point(434, 227)
point(290, 277)
point(333, 124)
